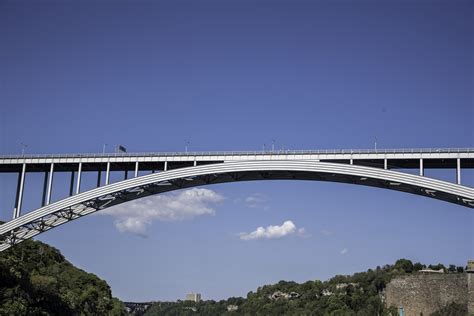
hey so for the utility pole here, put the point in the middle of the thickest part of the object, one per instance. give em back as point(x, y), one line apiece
point(23, 147)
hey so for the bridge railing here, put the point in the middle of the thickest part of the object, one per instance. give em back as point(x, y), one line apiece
point(243, 153)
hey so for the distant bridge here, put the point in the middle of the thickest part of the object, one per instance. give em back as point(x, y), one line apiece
point(173, 171)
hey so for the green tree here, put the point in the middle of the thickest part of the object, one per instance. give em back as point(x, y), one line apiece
point(418, 266)
point(405, 265)
point(357, 295)
point(35, 279)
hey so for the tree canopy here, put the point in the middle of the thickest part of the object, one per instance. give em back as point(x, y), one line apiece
point(36, 279)
point(355, 295)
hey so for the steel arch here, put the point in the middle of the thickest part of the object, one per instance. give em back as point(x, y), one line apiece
point(60, 212)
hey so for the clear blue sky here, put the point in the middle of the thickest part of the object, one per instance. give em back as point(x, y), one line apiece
point(233, 75)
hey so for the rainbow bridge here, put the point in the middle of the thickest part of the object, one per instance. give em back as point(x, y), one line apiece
point(165, 172)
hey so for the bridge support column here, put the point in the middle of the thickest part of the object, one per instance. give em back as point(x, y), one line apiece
point(19, 193)
point(78, 184)
point(166, 166)
point(422, 171)
point(125, 176)
point(136, 169)
point(71, 184)
point(45, 186)
point(458, 171)
point(99, 178)
point(195, 163)
point(107, 174)
point(50, 184)
point(385, 164)
point(351, 161)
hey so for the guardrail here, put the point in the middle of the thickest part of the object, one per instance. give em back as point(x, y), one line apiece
point(246, 153)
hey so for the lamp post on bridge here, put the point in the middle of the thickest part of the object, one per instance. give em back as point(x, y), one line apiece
point(23, 147)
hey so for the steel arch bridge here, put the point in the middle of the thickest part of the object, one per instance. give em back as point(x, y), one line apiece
point(376, 168)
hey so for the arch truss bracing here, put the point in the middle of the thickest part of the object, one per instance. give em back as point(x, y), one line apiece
point(73, 207)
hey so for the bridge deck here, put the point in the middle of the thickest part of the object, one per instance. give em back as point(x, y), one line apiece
point(442, 158)
point(363, 167)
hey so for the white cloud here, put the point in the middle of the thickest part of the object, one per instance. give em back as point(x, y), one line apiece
point(256, 200)
point(273, 232)
point(133, 225)
point(343, 251)
point(135, 216)
point(326, 232)
point(302, 233)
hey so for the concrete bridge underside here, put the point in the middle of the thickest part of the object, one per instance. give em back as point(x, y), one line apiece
point(81, 204)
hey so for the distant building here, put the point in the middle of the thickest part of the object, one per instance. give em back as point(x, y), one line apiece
point(432, 271)
point(340, 286)
point(326, 292)
point(134, 308)
point(279, 294)
point(195, 297)
point(470, 266)
point(232, 308)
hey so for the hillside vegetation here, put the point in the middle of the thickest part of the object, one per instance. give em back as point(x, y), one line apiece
point(35, 279)
point(360, 294)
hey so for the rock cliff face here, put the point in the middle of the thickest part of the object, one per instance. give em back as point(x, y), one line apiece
point(470, 284)
point(427, 293)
